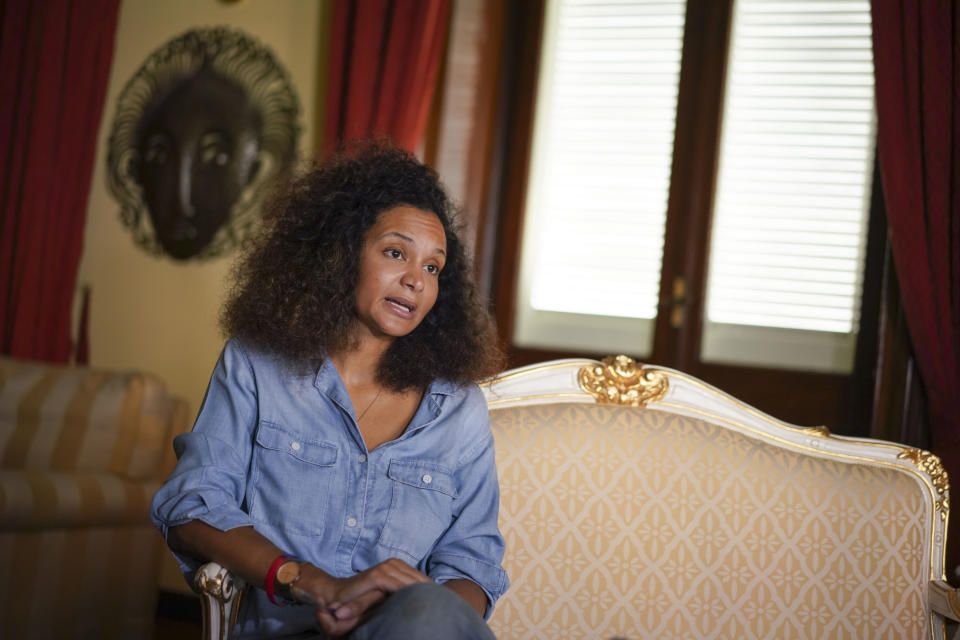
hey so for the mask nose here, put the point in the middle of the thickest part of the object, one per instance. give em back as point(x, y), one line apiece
point(185, 186)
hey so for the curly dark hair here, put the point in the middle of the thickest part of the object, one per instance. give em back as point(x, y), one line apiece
point(294, 288)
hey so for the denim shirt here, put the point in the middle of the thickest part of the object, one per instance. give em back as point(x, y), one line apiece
point(283, 453)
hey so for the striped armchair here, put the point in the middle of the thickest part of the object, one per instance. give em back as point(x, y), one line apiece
point(81, 453)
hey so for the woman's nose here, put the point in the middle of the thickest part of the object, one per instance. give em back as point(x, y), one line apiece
point(413, 278)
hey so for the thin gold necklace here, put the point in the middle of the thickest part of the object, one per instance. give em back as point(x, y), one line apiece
point(364, 412)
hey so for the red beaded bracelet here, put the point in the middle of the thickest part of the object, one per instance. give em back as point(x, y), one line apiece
point(271, 580)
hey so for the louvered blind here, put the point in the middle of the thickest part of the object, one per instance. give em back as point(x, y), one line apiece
point(793, 191)
point(600, 173)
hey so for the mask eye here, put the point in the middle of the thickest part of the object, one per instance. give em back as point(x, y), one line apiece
point(214, 149)
point(157, 149)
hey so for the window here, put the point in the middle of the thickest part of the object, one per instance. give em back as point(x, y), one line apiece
point(602, 151)
point(792, 195)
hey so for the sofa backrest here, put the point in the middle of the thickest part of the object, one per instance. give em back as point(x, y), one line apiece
point(55, 417)
point(698, 516)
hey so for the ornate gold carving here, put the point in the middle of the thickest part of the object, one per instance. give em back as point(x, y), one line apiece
point(933, 467)
point(619, 380)
point(220, 586)
point(210, 585)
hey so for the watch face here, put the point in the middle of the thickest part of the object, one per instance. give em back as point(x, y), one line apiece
point(288, 572)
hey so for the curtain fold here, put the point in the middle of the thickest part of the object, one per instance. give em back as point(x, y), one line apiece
point(916, 47)
point(56, 58)
point(384, 63)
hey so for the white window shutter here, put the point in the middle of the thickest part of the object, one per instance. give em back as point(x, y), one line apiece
point(793, 190)
point(600, 174)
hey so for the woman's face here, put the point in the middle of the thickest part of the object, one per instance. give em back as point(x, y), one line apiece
point(398, 277)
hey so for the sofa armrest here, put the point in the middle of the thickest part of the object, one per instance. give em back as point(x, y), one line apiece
point(33, 499)
point(944, 599)
point(220, 593)
point(67, 418)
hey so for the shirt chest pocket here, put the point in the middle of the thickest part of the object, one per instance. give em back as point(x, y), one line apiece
point(294, 477)
point(421, 507)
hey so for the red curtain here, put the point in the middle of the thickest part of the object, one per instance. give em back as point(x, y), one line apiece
point(916, 45)
point(55, 58)
point(384, 61)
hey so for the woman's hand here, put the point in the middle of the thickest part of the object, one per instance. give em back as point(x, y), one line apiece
point(342, 602)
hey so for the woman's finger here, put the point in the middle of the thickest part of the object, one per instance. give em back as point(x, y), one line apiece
point(358, 606)
point(397, 572)
point(332, 626)
point(388, 576)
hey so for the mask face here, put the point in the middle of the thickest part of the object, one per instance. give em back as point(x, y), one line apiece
point(197, 150)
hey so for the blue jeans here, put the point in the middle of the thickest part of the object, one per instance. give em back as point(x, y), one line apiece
point(424, 611)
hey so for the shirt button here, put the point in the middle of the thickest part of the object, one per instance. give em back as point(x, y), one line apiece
point(351, 522)
point(427, 478)
point(295, 446)
point(362, 458)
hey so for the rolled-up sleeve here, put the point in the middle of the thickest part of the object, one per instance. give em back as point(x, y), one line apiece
point(209, 480)
point(472, 547)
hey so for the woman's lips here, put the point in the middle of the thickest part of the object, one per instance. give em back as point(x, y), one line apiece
point(402, 306)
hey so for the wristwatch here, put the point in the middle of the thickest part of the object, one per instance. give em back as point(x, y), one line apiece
point(287, 575)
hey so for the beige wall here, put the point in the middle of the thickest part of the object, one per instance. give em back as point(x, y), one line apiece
point(153, 313)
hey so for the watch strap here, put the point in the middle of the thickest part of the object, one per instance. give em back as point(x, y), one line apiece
point(270, 583)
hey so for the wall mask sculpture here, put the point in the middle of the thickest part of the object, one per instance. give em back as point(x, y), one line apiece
point(203, 129)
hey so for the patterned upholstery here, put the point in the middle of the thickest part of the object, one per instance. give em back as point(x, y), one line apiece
point(81, 453)
point(623, 522)
point(639, 502)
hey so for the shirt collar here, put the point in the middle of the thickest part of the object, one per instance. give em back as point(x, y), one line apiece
point(329, 383)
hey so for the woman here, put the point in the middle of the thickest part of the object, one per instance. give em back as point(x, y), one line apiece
point(341, 427)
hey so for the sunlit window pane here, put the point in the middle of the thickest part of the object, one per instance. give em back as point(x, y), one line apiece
point(793, 193)
point(600, 174)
